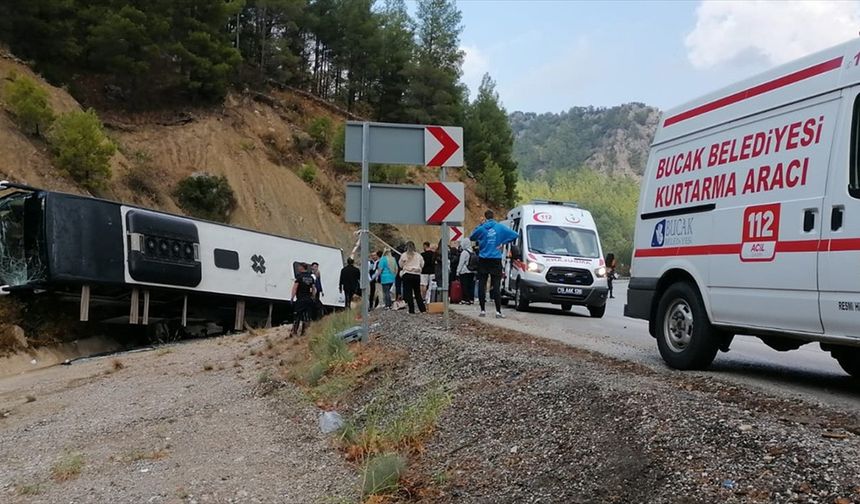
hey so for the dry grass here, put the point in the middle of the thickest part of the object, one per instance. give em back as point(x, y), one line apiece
point(138, 455)
point(29, 398)
point(117, 364)
point(208, 367)
point(378, 431)
point(29, 489)
point(68, 467)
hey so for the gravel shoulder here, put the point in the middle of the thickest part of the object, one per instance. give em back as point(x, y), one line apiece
point(539, 421)
point(178, 424)
point(531, 420)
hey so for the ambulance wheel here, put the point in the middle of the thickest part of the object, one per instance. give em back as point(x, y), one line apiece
point(566, 306)
point(520, 301)
point(685, 336)
point(848, 359)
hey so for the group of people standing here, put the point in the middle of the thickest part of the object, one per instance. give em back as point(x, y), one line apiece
point(382, 271)
point(477, 258)
point(412, 276)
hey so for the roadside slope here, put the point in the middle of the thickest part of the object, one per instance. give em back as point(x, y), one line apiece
point(178, 424)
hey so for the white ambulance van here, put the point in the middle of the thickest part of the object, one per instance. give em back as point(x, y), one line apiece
point(556, 259)
point(749, 216)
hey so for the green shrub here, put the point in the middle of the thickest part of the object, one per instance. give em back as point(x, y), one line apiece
point(28, 102)
point(81, 148)
point(388, 174)
point(206, 196)
point(68, 467)
point(382, 474)
point(308, 173)
point(302, 142)
point(325, 345)
point(338, 149)
point(321, 131)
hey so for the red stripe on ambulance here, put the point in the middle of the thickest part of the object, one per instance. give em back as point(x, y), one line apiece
point(839, 245)
point(754, 91)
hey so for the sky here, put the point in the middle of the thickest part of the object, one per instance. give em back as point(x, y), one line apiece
point(547, 56)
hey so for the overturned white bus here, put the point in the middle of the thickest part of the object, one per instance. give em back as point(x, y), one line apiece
point(125, 264)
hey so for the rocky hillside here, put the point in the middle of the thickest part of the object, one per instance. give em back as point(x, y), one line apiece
point(283, 183)
point(612, 140)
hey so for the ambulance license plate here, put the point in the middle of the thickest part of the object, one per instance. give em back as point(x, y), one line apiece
point(571, 291)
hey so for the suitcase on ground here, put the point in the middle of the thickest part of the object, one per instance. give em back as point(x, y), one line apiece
point(456, 291)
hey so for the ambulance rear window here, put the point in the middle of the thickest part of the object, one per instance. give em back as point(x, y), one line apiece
point(854, 166)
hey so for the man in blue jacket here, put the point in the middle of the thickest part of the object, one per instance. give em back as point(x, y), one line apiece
point(491, 237)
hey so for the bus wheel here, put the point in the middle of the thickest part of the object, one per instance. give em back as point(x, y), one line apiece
point(685, 336)
point(848, 358)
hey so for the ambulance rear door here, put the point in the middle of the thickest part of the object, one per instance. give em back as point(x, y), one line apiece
point(839, 252)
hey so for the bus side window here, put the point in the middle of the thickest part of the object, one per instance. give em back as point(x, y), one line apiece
point(854, 163)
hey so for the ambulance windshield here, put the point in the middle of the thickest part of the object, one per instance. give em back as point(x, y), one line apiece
point(563, 241)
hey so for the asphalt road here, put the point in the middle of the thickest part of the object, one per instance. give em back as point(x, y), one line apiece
point(808, 372)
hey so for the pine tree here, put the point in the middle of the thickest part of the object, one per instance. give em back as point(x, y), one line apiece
point(435, 93)
point(81, 148)
point(398, 48)
point(122, 42)
point(358, 49)
point(200, 46)
point(488, 136)
point(492, 182)
point(28, 102)
point(269, 38)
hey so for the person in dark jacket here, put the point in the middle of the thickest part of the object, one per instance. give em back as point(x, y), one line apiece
point(428, 270)
point(350, 282)
point(304, 291)
point(398, 282)
point(611, 263)
point(318, 306)
point(491, 237)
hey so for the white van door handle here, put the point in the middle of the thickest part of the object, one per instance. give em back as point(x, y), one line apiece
point(808, 220)
point(836, 218)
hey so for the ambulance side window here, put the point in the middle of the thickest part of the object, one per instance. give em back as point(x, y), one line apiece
point(519, 242)
point(854, 163)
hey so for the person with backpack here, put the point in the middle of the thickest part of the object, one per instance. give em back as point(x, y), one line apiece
point(467, 266)
point(303, 295)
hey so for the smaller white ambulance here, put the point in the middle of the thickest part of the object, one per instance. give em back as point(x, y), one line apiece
point(749, 216)
point(556, 259)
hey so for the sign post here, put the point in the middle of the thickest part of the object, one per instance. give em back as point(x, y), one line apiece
point(444, 244)
point(410, 144)
point(365, 231)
